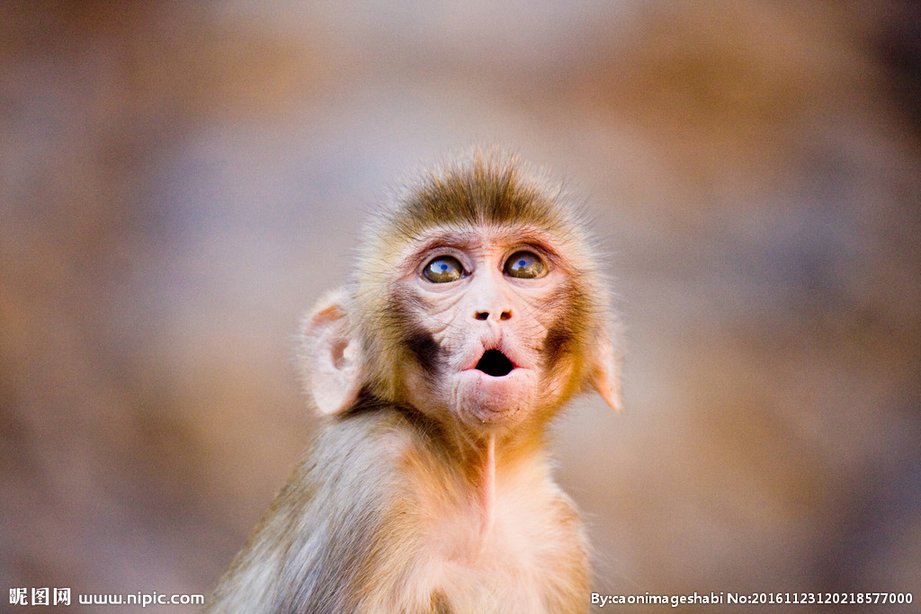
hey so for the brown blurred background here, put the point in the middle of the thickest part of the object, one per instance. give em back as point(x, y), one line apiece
point(179, 181)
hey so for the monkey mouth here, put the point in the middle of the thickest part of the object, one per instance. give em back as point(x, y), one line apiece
point(495, 364)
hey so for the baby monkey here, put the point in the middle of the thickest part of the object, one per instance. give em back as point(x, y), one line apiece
point(475, 312)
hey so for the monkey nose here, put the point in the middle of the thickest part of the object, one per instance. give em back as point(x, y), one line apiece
point(485, 315)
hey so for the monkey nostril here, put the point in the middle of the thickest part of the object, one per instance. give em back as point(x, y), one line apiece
point(484, 315)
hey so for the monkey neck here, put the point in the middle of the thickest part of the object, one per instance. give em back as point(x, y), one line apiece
point(494, 455)
point(478, 456)
point(486, 488)
point(464, 447)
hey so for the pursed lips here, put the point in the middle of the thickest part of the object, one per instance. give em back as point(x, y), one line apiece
point(493, 358)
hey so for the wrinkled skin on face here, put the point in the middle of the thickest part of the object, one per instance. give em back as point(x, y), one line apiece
point(484, 331)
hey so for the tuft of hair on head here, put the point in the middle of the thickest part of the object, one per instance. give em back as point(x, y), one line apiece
point(482, 187)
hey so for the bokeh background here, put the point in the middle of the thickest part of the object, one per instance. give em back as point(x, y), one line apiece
point(179, 181)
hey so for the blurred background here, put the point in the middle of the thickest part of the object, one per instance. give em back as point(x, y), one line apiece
point(179, 182)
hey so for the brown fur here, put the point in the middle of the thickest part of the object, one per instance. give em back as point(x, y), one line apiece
point(401, 506)
point(490, 190)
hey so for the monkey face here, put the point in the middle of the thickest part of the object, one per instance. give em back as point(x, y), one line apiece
point(483, 314)
point(476, 301)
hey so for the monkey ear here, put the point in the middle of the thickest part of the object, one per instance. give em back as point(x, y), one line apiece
point(605, 373)
point(331, 355)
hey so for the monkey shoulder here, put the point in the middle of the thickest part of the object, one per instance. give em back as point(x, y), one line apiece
point(368, 444)
point(331, 529)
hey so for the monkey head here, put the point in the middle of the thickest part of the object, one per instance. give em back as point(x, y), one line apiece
point(476, 301)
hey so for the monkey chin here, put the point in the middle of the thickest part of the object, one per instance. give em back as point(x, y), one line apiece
point(486, 402)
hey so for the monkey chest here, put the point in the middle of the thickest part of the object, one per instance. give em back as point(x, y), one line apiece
point(519, 559)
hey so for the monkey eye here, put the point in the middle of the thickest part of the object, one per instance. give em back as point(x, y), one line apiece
point(443, 269)
point(525, 265)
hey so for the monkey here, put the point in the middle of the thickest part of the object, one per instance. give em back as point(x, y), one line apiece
point(475, 312)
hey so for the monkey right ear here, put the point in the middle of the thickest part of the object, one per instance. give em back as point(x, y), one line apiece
point(605, 372)
point(331, 360)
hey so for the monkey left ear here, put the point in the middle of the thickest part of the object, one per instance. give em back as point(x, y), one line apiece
point(331, 361)
point(605, 373)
